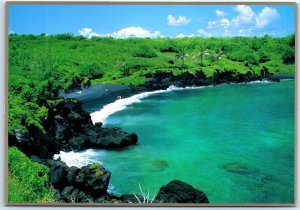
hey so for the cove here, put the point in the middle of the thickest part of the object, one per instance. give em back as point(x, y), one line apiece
point(235, 142)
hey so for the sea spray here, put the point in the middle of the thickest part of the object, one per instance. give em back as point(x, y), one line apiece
point(79, 159)
point(121, 104)
point(264, 81)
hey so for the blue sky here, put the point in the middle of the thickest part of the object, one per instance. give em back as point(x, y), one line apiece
point(122, 21)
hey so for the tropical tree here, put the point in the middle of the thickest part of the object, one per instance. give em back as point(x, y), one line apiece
point(182, 55)
point(218, 54)
point(202, 52)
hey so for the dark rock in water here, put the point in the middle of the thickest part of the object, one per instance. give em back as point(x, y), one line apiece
point(157, 165)
point(180, 192)
point(91, 130)
point(111, 138)
point(98, 125)
point(72, 172)
point(57, 174)
point(238, 168)
point(93, 178)
point(73, 184)
point(90, 184)
point(67, 191)
point(79, 142)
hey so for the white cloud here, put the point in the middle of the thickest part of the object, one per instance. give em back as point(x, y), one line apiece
point(93, 34)
point(135, 32)
point(246, 15)
point(225, 22)
point(212, 24)
point(180, 36)
point(123, 33)
point(183, 35)
point(266, 16)
point(85, 31)
point(204, 33)
point(179, 21)
point(220, 13)
point(245, 23)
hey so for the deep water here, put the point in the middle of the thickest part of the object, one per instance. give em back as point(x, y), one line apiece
point(235, 142)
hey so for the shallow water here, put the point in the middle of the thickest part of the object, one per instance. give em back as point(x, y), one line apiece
point(234, 142)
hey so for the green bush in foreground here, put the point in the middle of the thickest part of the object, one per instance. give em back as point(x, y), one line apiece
point(27, 180)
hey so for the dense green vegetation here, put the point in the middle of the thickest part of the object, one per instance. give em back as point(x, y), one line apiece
point(28, 180)
point(40, 66)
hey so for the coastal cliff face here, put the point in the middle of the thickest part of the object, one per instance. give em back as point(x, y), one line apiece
point(163, 80)
point(69, 128)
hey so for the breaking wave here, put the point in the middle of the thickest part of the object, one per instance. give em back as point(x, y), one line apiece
point(121, 104)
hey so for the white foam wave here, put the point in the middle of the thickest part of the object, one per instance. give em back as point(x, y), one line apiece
point(121, 104)
point(258, 81)
point(79, 159)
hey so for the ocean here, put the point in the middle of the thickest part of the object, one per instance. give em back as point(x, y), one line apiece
point(235, 142)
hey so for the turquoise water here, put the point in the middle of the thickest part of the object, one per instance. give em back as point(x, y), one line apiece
point(234, 142)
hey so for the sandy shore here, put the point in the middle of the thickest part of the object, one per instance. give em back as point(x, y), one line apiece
point(97, 96)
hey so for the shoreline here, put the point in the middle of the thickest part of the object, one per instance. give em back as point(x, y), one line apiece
point(117, 105)
point(123, 103)
point(81, 133)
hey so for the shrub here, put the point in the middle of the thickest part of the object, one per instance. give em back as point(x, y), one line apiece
point(264, 58)
point(73, 46)
point(288, 55)
point(89, 69)
point(252, 58)
point(27, 180)
point(66, 36)
point(244, 55)
point(145, 52)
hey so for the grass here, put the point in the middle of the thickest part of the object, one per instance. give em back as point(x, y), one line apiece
point(28, 181)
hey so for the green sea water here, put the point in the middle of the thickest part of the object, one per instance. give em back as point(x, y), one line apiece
point(234, 142)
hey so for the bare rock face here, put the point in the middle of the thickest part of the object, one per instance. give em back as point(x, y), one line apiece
point(69, 128)
point(74, 184)
point(93, 178)
point(163, 80)
point(180, 192)
point(57, 174)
